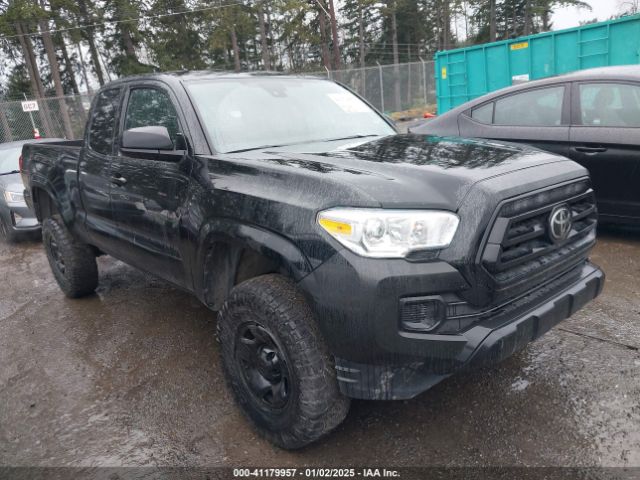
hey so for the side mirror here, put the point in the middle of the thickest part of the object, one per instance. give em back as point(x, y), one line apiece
point(147, 138)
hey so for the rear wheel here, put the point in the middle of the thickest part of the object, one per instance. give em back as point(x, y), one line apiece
point(277, 363)
point(73, 264)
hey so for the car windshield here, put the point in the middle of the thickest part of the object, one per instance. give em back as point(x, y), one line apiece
point(9, 159)
point(250, 113)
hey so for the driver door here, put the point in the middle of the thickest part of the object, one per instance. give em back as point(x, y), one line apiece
point(149, 188)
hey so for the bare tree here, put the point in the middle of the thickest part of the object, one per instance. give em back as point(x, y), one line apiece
point(628, 7)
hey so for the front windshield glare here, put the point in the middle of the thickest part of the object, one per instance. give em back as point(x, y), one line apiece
point(248, 113)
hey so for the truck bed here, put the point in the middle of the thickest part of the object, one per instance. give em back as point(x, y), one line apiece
point(52, 166)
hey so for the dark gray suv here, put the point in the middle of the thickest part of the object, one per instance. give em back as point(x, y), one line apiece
point(591, 116)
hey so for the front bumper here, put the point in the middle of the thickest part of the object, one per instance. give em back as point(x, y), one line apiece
point(20, 219)
point(375, 359)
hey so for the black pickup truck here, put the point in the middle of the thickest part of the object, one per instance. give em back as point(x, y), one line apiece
point(345, 260)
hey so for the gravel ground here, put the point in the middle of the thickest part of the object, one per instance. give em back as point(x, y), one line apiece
point(131, 376)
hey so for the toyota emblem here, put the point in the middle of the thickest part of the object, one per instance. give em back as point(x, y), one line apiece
point(560, 223)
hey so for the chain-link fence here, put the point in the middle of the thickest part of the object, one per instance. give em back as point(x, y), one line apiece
point(390, 88)
point(61, 117)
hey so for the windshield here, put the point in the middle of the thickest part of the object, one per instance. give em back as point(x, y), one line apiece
point(248, 113)
point(9, 159)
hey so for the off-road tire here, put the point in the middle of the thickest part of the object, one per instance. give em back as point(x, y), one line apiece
point(77, 276)
point(315, 405)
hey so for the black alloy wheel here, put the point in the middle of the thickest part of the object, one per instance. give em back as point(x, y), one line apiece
point(264, 366)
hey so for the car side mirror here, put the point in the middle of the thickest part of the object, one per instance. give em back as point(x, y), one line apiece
point(147, 138)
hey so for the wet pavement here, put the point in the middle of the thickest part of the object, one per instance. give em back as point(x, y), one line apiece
point(131, 376)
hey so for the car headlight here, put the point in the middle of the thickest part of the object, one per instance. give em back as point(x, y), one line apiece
point(384, 233)
point(14, 197)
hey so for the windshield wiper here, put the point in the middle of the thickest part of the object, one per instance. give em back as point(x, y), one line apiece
point(350, 137)
point(262, 147)
point(10, 173)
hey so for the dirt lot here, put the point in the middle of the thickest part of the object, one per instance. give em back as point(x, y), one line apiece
point(131, 376)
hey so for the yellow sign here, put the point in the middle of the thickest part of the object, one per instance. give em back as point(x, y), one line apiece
point(444, 73)
point(519, 46)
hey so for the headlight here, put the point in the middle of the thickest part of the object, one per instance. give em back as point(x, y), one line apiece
point(14, 197)
point(389, 233)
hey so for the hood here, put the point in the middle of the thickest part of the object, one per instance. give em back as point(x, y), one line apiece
point(11, 182)
point(412, 171)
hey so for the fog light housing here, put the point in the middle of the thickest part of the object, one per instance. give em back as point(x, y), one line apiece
point(421, 314)
point(16, 218)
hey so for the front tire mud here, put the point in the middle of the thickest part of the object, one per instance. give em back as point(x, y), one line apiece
point(277, 363)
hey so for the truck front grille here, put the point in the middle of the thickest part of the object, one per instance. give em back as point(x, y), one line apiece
point(521, 246)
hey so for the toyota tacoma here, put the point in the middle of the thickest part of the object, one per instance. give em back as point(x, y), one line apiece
point(345, 260)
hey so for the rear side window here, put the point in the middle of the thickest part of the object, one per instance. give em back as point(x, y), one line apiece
point(103, 122)
point(151, 107)
point(536, 108)
point(610, 105)
point(483, 114)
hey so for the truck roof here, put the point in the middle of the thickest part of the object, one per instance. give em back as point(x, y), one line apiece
point(189, 75)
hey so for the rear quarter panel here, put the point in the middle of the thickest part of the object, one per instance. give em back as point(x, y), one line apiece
point(53, 168)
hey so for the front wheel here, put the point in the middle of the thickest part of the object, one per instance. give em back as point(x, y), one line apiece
point(277, 363)
point(73, 264)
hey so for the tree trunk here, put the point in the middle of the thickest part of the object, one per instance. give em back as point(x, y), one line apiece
point(266, 60)
point(55, 75)
point(546, 17)
point(236, 50)
point(90, 33)
point(68, 66)
point(446, 25)
point(84, 68)
point(28, 60)
point(396, 58)
point(492, 20)
point(363, 73)
point(127, 41)
point(334, 34)
point(527, 17)
point(324, 49)
point(361, 34)
point(37, 87)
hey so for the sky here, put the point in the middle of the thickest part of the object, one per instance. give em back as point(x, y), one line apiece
point(571, 17)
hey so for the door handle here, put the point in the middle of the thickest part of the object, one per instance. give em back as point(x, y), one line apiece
point(118, 180)
point(590, 150)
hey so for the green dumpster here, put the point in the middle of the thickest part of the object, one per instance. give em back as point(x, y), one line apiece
point(466, 73)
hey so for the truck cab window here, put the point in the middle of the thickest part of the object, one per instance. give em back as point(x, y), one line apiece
point(152, 107)
point(103, 123)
